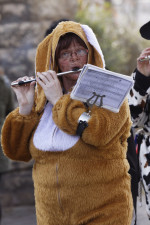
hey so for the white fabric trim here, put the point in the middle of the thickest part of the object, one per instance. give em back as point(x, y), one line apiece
point(93, 40)
point(48, 137)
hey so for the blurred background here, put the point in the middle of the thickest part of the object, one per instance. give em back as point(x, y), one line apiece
point(116, 23)
point(23, 24)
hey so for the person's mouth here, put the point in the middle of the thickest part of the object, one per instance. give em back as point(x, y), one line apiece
point(76, 68)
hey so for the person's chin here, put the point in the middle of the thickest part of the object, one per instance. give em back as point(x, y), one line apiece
point(74, 76)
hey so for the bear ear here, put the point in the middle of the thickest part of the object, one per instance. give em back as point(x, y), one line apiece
point(145, 31)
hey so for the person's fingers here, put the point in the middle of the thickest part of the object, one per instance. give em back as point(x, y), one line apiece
point(48, 75)
point(145, 52)
point(42, 77)
point(52, 74)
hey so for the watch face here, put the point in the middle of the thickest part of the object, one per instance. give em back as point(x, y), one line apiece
point(84, 117)
point(145, 31)
point(82, 123)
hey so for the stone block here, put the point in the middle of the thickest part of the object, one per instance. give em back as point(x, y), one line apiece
point(14, 12)
point(16, 186)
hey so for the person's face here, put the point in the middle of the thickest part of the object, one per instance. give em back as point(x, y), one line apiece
point(75, 56)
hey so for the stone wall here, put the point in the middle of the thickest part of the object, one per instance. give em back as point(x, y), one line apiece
point(22, 27)
point(16, 185)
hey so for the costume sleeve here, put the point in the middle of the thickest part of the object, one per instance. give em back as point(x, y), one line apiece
point(138, 97)
point(104, 126)
point(16, 133)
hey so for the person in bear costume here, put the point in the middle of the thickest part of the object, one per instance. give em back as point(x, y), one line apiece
point(78, 179)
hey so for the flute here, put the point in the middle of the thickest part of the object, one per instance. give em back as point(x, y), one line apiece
point(29, 81)
point(147, 58)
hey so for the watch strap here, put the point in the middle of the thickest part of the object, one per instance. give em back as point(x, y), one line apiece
point(81, 126)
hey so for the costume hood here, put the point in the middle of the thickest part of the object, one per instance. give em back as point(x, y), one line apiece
point(45, 56)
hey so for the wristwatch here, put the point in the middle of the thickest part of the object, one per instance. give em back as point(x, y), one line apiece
point(82, 123)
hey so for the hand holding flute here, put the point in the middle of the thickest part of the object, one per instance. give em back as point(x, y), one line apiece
point(25, 95)
point(143, 62)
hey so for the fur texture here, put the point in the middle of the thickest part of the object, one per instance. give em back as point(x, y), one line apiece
point(89, 182)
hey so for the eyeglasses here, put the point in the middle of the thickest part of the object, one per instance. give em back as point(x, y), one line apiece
point(68, 54)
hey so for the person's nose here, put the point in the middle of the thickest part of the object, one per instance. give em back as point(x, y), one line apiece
point(74, 56)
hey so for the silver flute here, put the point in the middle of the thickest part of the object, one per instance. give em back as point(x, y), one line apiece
point(147, 58)
point(33, 79)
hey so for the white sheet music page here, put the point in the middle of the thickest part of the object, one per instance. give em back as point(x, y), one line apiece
point(102, 87)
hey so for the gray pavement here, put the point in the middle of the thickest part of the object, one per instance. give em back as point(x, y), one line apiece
point(142, 218)
point(25, 215)
point(21, 215)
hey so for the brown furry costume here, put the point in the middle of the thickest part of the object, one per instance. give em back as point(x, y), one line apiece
point(89, 182)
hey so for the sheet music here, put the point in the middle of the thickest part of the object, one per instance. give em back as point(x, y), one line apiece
point(112, 86)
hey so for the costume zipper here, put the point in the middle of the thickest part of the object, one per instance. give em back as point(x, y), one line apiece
point(55, 129)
